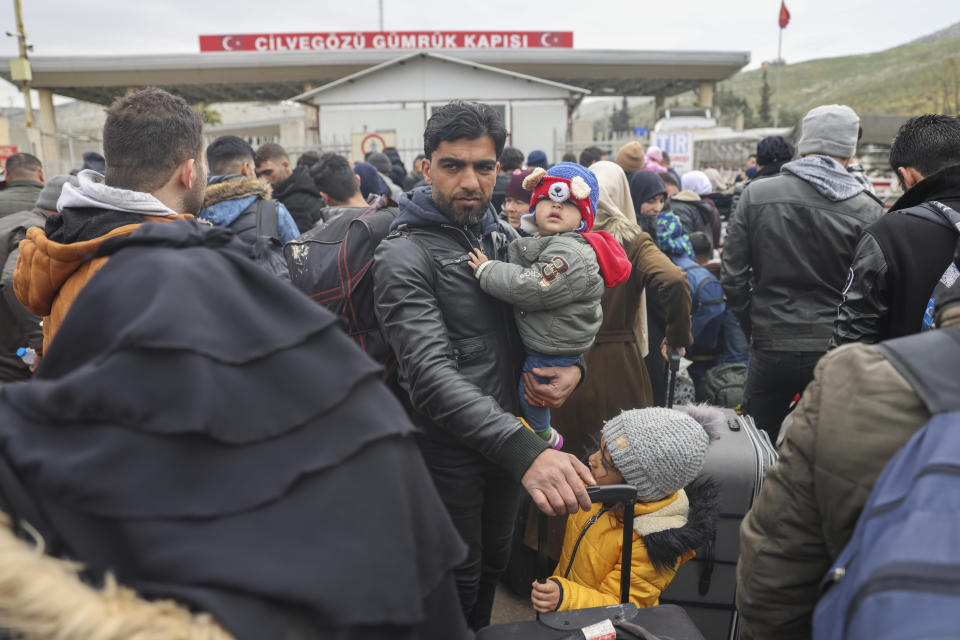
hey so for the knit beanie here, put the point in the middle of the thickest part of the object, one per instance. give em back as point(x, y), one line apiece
point(645, 185)
point(771, 150)
point(831, 130)
point(51, 191)
point(93, 160)
point(380, 162)
point(537, 158)
point(630, 157)
point(566, 182)
point(696, 181)
point(515, 186)
point(659, 451)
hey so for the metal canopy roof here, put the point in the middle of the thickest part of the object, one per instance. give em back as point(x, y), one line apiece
point(429, 55)
point(275, 76)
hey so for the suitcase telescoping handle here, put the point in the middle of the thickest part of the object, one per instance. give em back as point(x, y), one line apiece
point(671, 369)
point(609, 495)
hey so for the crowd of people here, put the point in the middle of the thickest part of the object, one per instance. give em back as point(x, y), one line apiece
point(178, 418)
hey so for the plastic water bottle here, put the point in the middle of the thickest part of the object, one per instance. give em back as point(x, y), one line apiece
point(28, 355)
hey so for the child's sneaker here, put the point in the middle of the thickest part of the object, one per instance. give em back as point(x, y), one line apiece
point(551, 435)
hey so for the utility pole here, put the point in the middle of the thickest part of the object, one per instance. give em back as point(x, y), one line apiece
point(20, 71)
point(776, 109)
point(380, 5)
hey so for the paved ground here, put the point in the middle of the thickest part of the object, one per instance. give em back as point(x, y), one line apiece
point(508, 607)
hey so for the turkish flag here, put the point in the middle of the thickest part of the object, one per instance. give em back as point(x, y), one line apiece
point(784, 15)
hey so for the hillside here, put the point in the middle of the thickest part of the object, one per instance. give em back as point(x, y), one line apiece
point(919, 77)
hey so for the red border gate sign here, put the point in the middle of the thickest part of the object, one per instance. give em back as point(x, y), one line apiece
point(6, 151)
point(356, 40)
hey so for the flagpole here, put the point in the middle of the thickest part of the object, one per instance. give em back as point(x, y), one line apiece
point(776, 110)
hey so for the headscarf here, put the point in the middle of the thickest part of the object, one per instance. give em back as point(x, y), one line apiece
point(696, 181)
point(654, 160)
point(716, 180)
point(370, 180)
point(615, 211)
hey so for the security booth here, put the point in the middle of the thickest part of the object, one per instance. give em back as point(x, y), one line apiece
point(393, 101)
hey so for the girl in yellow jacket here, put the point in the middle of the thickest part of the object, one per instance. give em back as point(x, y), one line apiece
point(660, 452)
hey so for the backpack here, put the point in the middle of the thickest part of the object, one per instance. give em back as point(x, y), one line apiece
point(899, 576)
point(707, 307)
point(331, 264)
point(263, 236)
point(722, 385)
point(945, 216)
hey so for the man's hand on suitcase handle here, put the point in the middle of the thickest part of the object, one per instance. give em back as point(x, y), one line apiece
point(555, 482)
point(664, 347)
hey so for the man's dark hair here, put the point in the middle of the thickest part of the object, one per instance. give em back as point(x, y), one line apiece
point(569, 156)
point(225, 154)
point(590, 155)
point(666, 158)
point(702, 245)
point(334, 176)
point(927, 143)
point(308, 158)
point(668, 178)
point(511, 159)
point(22, 165)
point(147, 135)
point(270, 151)
point(460, 120)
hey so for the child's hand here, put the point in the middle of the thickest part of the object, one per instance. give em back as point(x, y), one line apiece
point(476, 259)
point(545, 596)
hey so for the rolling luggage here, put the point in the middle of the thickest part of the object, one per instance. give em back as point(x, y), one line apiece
point(705, 585)
point(625, 619)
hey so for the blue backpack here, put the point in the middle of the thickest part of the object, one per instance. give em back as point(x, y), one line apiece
point(943, 215)
point(708, 305)
point(899, 576)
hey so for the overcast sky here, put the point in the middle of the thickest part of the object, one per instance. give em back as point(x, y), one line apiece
point(818, 28)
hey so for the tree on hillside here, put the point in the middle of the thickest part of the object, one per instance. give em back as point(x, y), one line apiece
point(729, 104)
point(950, 87)
point(209, 115)
point(765, 119)
point(620, 119)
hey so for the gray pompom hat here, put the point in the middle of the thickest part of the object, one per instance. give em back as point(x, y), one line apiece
point(659, 451)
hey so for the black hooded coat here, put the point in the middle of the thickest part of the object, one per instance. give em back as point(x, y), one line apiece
point(300, 196)
point(208, 434)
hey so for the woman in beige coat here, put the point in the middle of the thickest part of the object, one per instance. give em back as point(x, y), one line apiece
point(616, 376)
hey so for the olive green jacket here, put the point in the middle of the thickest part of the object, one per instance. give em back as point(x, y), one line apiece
point(854, 416)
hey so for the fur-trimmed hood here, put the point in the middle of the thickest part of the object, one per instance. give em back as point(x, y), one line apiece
point(665, 547)
point(235, 188)
point(44, 598)
point(229, 196)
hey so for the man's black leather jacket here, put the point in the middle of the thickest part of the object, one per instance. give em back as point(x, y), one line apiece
point(785, 260)
point(458, 350)
point(896, 266)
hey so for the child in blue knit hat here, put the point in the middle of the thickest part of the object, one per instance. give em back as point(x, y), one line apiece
point(555, 278)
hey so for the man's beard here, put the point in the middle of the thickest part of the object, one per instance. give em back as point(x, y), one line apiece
point(193, 199)
point(464, 216)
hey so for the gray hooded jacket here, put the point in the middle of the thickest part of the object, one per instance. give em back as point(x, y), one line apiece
point(555, 285)
point(788, 250)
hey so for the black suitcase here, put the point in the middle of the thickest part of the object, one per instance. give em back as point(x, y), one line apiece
point(666, 622)
point(705, 585)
